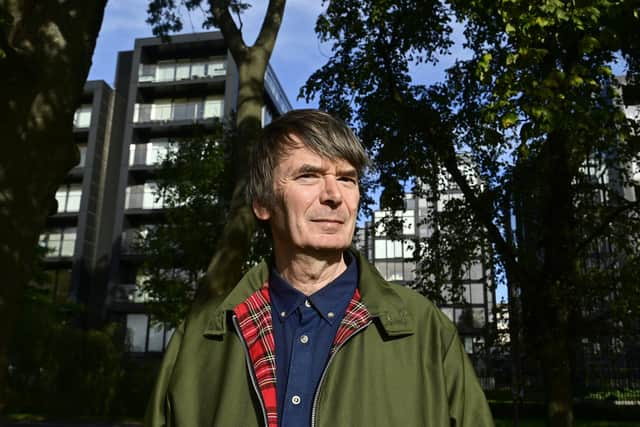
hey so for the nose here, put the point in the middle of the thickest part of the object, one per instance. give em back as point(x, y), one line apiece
point(330, 194)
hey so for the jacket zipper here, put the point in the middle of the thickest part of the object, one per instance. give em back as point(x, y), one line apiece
point(254, 382)
point(324, 372)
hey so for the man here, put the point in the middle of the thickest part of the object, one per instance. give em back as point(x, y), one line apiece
point(315, 336)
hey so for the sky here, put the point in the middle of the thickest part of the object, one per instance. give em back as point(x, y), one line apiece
point(296, 56)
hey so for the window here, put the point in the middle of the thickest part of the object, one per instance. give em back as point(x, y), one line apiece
point(133, 197)
point(60, 242)
point(68, 198)
point(146, 72)
point(157, 151)
point(216, 67)
point(407, 218)
point(150, 198)
point(161, 110)
point(197, 69)
point(137, 332)
point(267, 117)
point(183, 70)
point(143, 336)
point(448, 311)
point(82, 116)
point(137, 154)
point(143, 196)
point(82, 148)
point(179, 109)
point(396, 270)
point(151, 153)
point(477, 293)
point(393, 249)
point(212, 107)
point(166, 71)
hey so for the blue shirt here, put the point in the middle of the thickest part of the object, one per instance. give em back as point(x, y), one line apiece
point(304, 328)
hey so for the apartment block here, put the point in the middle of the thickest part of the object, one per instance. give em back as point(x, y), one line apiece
point(394, 258)
point(164, 92)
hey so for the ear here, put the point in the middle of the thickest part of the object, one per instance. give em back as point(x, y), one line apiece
point(261, 211)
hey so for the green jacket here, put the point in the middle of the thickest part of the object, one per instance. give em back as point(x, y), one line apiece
point(407, 368)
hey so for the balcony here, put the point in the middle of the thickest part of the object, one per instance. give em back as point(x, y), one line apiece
point(185, 70)
point(169, 114)
point(185, 77)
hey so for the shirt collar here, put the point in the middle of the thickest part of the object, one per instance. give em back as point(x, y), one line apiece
point(331, 301)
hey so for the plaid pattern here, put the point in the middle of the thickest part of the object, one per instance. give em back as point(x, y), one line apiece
point(254, 320)
point(355, 317)
point(256, 326)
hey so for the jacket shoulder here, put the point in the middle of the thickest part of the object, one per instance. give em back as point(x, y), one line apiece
point(425, 314)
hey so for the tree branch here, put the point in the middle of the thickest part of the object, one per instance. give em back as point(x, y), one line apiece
point(598, 232)
point(269, 31)
point(231, 33)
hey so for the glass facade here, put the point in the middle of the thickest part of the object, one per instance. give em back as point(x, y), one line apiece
point(151, 153)
point(68, 198)
point(59, 242)
point(184, 69)
point(145, 336)
point(183, 109)
point(82, 117)
point(143, 196)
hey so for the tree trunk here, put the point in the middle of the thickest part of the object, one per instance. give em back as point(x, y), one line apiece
point(225, 267)
point(554, 303)
point(46, 54)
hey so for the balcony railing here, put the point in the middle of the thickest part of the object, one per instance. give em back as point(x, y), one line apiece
point(188, 111)
point(180, 71)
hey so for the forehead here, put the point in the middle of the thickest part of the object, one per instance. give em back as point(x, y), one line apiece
point(301, 156)
point(295, 153)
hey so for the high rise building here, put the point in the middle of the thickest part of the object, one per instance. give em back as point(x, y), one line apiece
point(394, 258)
point(163, 91)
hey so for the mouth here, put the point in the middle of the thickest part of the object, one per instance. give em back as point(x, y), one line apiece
point(328, 220)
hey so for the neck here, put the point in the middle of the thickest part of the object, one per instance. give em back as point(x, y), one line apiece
point(310, 273)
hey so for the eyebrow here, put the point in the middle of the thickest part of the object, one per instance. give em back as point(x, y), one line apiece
point(307, 168)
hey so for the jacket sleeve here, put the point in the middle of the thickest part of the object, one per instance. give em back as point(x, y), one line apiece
point(467, 404)
point(158, 413)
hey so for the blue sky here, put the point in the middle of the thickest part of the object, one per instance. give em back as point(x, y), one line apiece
point(297, 53)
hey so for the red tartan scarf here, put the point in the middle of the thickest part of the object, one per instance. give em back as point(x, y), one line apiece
point(255, 322)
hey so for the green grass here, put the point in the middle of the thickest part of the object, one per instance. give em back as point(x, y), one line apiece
point(539, 422)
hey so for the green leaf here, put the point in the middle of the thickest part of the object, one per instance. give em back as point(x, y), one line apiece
point(509, 120)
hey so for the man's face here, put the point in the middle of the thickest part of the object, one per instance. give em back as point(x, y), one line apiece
point(316, 203)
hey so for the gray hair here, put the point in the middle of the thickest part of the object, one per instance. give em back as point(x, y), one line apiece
point(320, 132)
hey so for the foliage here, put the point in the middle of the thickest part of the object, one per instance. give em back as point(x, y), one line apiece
point(195, 186)
point(536, 111)
point(235, 242)
point(39, 42)
point(58, 368)
point(191, 183)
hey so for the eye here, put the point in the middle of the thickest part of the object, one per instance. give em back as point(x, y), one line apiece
point(306, 177)
point(348, 179)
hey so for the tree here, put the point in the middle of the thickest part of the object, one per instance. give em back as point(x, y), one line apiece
point(195, 188)
point(534, 104)
point(39, 42)
point(234, 244)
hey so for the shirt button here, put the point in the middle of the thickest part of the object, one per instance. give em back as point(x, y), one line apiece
point(283, 313)
point(307, 303)
point(304, 339)
point(330, 315)
point(295, 400)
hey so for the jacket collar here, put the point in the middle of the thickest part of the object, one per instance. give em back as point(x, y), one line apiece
point(381, 300)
